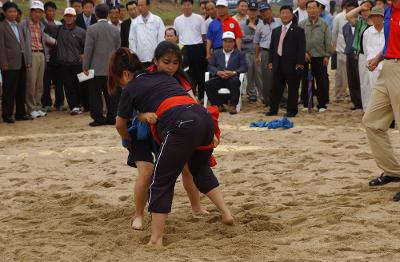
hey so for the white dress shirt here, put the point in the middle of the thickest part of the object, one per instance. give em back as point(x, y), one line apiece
point(190, 29)
point(227, 56)
point(144, 37)
point(337, 31)
point(302, 14)
point(373, 43)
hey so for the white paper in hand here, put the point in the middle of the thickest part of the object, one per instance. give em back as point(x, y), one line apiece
point(82, 77)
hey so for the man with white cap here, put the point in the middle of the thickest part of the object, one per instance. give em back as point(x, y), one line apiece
point(218, 26)
point(70, 47)
point(324, 13)
point(225, 67)
point(35, 40)
point(262, 39)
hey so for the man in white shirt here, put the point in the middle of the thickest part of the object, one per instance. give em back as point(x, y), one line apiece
point(147, 31)
point(301, 12)
point(339, 46)
point(191, 30)
point(113, 17)
point(373, 44)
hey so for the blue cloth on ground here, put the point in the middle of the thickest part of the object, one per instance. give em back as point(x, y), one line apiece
point(142, 129)
point(274, 124)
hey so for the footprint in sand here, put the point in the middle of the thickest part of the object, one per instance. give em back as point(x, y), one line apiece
point(236, 170)
point(352, 147)
point(107, 184)
point(327, 141)
point(123, 198)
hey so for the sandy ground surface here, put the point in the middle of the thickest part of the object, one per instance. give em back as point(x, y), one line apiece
point(297, 195)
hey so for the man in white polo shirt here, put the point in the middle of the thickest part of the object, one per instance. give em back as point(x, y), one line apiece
point(147, 31)
point(191, 29)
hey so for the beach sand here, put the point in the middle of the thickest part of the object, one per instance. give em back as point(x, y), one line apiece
point(297, 195)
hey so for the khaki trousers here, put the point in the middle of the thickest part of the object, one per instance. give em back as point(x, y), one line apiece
point(384, 105)
point(34, 82)
point(341, 77)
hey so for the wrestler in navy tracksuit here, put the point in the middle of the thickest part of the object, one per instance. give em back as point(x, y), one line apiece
point(181, 129)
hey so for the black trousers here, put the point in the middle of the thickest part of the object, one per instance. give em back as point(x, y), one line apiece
point(196, 57)
point(72, 86)
point(14, 89)
point(52, 74)
point(97, 88)
point(320, 75)
point(284, 76)
point(353, 80)
point(213, 85)
point(193, 128)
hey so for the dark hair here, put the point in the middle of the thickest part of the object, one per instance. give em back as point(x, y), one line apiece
point(240, 1)
point(85, 2)
point(203, 3)
point(312, 1)
point(147, 2)
point(7, 5)
point(184, 1)
point(101, 11)
point(19, 11)
point(383, 1)
point(211, 2)
point(121, 59)
point(50, 5)
point(286, 7)
point(113, 8)
point(165, 48)
point(171, 29)
point(350, 3)
point(71, 2)
point(131, 3)
point(121, 6)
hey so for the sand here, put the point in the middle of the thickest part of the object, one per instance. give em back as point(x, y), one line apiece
point(297, 195)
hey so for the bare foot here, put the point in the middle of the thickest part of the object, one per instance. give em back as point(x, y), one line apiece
point(227, 218)
point(200, 212)
point(155, 242)
point(137, 223)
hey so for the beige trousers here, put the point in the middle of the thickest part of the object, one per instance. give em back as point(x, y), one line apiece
point(341, 85)
point(384, 105)
point(34, 82)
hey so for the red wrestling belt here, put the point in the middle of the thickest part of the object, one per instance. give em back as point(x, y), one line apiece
point(186, 100)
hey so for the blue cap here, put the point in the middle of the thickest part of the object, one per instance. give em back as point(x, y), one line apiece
point(263, 6)
point(253, 5)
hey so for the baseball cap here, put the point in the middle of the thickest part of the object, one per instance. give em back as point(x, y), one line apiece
point(70, 11)
point(253, 5)
point(263, 6)
point(323, 2)
point(222, 2)
point(37, 5)
point(376, 10)
point(228, 35)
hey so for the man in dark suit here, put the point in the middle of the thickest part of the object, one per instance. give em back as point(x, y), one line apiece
point(286, 60)
point(86, 18)
point(131, 6)
point(101, 40)
point(225, 67)
point(13, 65)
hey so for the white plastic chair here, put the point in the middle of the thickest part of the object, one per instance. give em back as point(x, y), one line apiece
point(225, 91)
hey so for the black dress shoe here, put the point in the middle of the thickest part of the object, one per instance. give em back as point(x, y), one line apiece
point(9, 120)
point(271, 113)
point(23, 118)
point(396, 197)
point(94, 123)
point(111, 122)
point(290, 114)
point(383, 180)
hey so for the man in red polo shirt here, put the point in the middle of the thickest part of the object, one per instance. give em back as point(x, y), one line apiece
point(384, 104)
point(222, 24)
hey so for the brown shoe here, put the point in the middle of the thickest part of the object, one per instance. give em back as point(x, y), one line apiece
point(232, 110)
point(221, 108)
